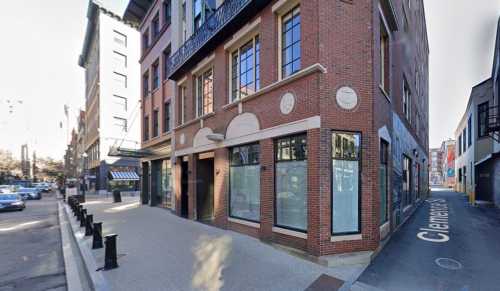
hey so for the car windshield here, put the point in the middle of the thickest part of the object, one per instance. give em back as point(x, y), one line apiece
point(8, 197)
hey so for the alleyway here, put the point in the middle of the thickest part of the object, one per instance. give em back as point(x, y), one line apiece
point(412, 263)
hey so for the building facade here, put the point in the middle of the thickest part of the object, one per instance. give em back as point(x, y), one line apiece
point(110, 58)
point(293, 121)
point(436, 172)
point(478, 139)
point(448, 163)
point(154, 22)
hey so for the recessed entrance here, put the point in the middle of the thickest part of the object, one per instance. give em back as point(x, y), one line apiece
point(205, 187)
point(184, 188)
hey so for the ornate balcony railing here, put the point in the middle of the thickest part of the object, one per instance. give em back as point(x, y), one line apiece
point(226, 12)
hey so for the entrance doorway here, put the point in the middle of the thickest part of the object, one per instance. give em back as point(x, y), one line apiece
point(205, 189)
point(184, 188)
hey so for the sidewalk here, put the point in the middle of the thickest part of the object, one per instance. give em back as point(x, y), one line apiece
point(158, 250)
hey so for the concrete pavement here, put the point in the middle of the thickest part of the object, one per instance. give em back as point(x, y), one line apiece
point(30, 252)
point(457, 248)
point(160, 251)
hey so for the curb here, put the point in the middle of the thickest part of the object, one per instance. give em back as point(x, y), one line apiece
point(87, 277)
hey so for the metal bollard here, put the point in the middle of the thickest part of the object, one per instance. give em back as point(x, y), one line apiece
point(84, 216)
point(88, 224)
point(97, 236)
point(110, 258)
point(78, 213)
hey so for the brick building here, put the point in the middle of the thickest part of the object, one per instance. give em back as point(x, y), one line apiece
point(448, 163)
point(304, 123)
point(436, 163)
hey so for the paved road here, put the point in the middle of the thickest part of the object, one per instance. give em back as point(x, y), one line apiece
point(409, 263)
point(30, 248)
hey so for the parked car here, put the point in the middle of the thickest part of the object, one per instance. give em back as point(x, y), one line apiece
point(11, 201)
point(44, 187)
point(30, 193)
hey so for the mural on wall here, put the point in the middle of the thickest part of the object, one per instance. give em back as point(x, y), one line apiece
point(405, 144)
point(450, 161)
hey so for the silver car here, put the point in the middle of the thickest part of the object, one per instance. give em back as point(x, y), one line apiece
point(11, 201)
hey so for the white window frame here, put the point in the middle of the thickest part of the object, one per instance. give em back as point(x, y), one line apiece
point(252, 38)
point(406, 100)
point(281, 8)
point(201, 74)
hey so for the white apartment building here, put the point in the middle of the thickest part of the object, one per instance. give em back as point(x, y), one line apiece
point(110, 57)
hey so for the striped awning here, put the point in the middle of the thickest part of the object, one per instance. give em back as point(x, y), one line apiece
point(123, 176)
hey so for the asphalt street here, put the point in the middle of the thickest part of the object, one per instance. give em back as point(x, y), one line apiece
point(30, 248)
point(472, 242)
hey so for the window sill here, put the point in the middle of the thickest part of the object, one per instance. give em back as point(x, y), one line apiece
point(244, 222)
point(185, 124)
point(289, 232)
point(280, 83)
point(350, 237)
point(386, 95)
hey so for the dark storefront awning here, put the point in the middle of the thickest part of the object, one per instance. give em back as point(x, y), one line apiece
point(123, 176)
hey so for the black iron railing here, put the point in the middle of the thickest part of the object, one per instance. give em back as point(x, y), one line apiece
point(493, 118)
point(221, 17)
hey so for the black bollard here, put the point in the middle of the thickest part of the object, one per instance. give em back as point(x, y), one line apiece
point(78, 213)
point(97, 236)
point(83, 218)
point(110, 259)
point(88, 224)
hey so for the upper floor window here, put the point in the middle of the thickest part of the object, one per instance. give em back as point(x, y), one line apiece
point(482, 119)
point(202, 9)
point(119, 38)
point(406, 101)
point(469, 134)
point(156, 75)
point(166, 117)
point(384, 57)
point(145, 40)
point(119, 60)
point(155, 26)
point(120, 123)
point(460, 145)
point(167, 13)
point(166, 55)
point(464, 140)
point(205, 93)
point(245, 70)
point(120, 102)
point(155, 123)
point(145, 130)
point(145, 84)
point(120, 80)
point(290, 43)
point(182, 104)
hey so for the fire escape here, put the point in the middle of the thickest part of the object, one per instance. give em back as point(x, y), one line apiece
point(494, 123)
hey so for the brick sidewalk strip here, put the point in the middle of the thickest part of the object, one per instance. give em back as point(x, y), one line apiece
point(160, 251)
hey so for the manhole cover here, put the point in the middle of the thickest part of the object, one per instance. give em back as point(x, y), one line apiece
point(447, 263)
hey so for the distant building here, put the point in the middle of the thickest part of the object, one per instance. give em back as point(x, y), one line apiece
point(478, 139)
point(448, 163)
point(25, 162)
point(110, 57)
point(436, 162)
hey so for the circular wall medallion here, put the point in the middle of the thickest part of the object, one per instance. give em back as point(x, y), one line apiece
point(182, 138)
point(287, 103)
point(347, 98)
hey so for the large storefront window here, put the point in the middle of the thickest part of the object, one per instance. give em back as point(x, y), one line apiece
point(345, 183)
point(291, 182)
point(245, 182)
